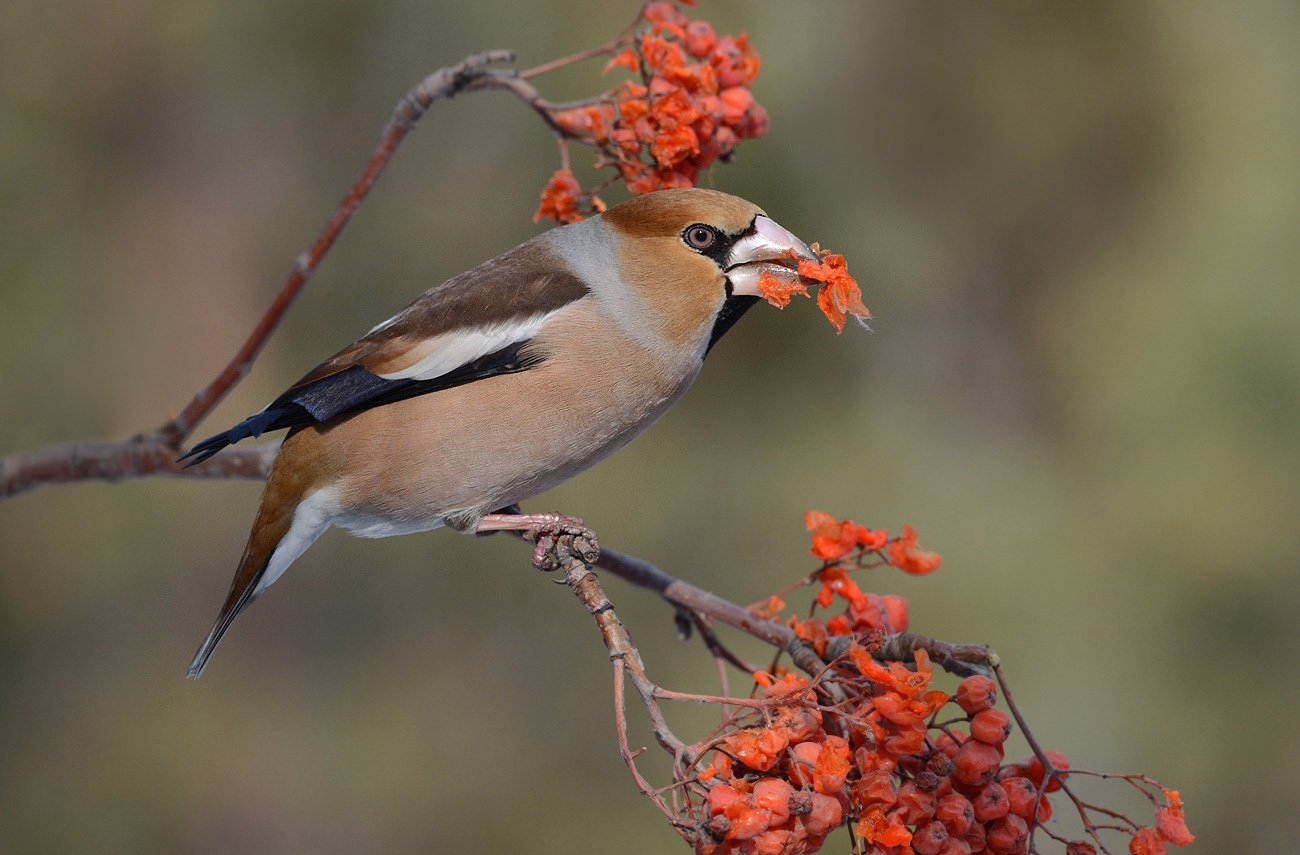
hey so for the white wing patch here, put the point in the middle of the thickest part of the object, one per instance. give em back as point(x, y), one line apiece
point(454, 349)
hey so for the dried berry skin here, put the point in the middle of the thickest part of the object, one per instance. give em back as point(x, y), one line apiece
point(940, 764)
point(927, 781)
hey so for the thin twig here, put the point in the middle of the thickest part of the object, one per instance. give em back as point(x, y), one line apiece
point(625, 749)
point(1050, 772)
point(443, 83)
point(645, 575)
point(609, 47)
point(154, 453)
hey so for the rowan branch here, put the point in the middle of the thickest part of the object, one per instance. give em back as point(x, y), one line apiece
point(154, 452)
point(443, 83)
point(138, 457)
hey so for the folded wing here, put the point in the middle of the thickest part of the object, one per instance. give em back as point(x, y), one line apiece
point(477, 325)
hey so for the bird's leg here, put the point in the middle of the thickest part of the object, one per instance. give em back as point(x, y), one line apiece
point(509, 510)
point(558, 537)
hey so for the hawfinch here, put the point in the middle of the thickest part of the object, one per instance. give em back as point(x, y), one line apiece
point(506, 380)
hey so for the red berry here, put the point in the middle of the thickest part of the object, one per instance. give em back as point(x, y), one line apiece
point(1021, 796)
point(1036, 772)
point(720, 797)
point(773, 794)
point(955, 847)
point(875, 789)
point(948, 743)
point(975, 838)
point(929, 839)
point(976, 693)
point(1008, 834)
point(956, 813)
point(975, 763)
point(991, 803)
point(991, 726)
point(700, 38)
point(801, 762)
point(826, 814)
point(915, 807)
point(746, 822)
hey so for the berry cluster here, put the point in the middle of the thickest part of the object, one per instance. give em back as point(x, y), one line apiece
point(879, 761)
point(692, 107)
point(871, 744)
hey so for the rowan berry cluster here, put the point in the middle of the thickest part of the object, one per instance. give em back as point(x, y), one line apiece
point(692, 107)
point(869, 743)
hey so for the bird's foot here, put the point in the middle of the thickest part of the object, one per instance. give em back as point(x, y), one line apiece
point(560, 538)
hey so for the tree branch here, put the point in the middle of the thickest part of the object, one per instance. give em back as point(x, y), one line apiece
point(141, 456)
point(154, 453)
point(443, 83)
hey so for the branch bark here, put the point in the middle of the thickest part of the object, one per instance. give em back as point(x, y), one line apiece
point(154, 452)
point(141, 456)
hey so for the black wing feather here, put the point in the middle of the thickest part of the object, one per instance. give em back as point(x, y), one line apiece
point(355, 389)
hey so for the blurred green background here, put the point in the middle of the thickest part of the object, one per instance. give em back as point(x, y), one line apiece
point(1076, 226)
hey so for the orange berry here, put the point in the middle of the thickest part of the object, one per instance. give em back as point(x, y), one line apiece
point(746, 822)
point(1021, 795)
point(929, 839)
point(914, 806)
point(720, 797)
point(801, 762)
point(825, 815)
point(1035, 771)
point(949, 743)
point(700, 38)
point(956, 813)
point(1007, 834)
point(976, 693)
point(975, 763)
point(991, 803)
point(773, 795)
point(991, 726)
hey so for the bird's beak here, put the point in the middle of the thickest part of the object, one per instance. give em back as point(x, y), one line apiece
point(767, 249)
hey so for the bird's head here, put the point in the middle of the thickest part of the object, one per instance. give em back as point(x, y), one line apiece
point(693, 258)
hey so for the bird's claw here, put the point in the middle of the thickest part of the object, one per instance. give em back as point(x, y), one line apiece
point(561, 539)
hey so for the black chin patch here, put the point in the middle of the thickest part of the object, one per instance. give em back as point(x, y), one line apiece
point(732, 308)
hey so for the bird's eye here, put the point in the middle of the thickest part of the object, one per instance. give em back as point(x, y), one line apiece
point(699, 236)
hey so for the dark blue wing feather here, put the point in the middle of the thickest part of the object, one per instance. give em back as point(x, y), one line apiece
point(355, 389)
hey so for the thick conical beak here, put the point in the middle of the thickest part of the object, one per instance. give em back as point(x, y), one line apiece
point(766, 250)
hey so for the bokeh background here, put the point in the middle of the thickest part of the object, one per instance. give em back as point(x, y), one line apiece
point(1075, 223)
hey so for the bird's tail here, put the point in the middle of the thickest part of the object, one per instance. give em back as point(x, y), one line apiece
point(226, 618)
point(252, 426)
point(273, 544)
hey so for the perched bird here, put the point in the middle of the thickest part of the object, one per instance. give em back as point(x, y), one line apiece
point(506, 380)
